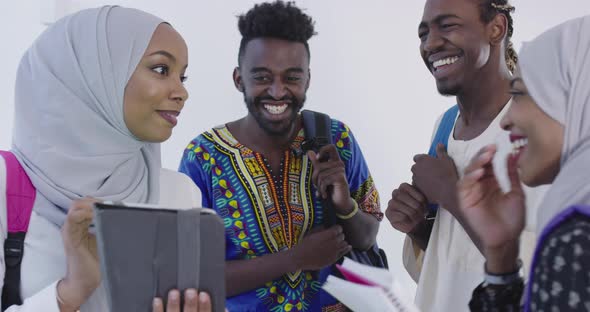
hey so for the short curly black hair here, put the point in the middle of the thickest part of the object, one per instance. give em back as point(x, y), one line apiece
point(280, 20)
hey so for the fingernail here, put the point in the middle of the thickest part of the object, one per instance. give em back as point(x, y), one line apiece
point(174, 295)
point(191, 294)
point(156, 302)
point(203, 297)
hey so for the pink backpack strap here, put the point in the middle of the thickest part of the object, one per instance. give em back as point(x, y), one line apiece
point(20, 198)
point(20, 195)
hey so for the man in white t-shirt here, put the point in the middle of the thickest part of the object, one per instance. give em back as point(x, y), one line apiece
point(466, 46)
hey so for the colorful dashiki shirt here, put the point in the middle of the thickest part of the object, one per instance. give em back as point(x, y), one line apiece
point(268, 213)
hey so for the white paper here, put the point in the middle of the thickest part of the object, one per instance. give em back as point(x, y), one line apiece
point(389, 297)
point(503, 150)
point(357, 297)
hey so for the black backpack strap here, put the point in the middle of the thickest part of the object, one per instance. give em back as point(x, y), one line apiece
point(13, 255)
point(318, 133)
point(318, 130)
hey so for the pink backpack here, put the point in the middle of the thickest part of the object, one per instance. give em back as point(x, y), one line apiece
point(20, 198)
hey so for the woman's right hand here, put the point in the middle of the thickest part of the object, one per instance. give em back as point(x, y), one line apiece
point(83, 270)
point(192, 302)
point(497, 219)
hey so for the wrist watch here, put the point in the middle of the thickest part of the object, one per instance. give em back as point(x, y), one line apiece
point(504, 279)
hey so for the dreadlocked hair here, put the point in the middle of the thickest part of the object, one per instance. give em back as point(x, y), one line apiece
point(489, 9)
point(279, 20)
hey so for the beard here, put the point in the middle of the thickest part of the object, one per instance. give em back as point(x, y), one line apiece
point(447, 89)
point(274, 128)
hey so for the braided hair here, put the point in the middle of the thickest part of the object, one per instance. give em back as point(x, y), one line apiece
point(489, 9)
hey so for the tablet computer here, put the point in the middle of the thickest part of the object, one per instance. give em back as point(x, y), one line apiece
point(145, 251)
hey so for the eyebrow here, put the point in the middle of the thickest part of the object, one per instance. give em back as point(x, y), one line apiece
point(514, 81)
point(437, 20)
point(259, 69)
point(264, 69)
point(296, 70)
point(164, 53)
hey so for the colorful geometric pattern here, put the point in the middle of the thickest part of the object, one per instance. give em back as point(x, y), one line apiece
point(265, 213)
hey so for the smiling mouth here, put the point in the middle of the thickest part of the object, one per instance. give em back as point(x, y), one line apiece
point(170, 116)
point(276, 109)
point(519, 143)
point(443, 63)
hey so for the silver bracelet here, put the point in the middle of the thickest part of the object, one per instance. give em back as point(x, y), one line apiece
point(504, 279)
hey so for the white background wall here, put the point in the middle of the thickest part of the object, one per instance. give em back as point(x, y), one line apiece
point(366, 71)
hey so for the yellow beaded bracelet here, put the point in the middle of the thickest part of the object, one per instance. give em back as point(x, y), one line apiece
point(354, 211)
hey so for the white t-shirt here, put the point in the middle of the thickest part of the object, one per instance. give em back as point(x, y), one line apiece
point(44, 262)
point(452, 266)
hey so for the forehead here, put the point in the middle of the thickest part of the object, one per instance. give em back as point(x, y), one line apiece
point(464, 9)
point(168, 39)
point(275, 54)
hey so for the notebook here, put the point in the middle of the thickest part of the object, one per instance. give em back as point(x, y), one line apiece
point(367, 288)
point(145, 251)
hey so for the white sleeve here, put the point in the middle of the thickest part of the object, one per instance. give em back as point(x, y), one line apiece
point(412, 257)
point(45, 300)
point(178, 190)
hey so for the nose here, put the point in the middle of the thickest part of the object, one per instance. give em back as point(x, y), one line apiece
point(277, 90)
point(506, 122)
point(179, 93)
point(433, 41)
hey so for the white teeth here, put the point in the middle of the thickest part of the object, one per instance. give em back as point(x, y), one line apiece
point(445, 61)
point(276, 109)
point(518, 144)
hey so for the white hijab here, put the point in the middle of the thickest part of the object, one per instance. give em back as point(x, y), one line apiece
point(556, 70)
point(69, 129)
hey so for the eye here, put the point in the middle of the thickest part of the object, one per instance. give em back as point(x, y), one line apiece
point(183, 78)
point(423, 34)
point(293, 78)
point(261, 79)
point(447, 26)
point(515, 93)
point(161, 69)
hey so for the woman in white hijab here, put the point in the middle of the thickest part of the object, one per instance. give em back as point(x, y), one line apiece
point(95, 95)
point(549, 124)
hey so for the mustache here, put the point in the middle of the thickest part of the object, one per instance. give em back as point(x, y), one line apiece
point(270, 98)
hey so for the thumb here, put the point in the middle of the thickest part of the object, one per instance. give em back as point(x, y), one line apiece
point(314, 230)
point(313, 157)
point(441, 150)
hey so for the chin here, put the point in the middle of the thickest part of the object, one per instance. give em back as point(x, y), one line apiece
point(534, 179)
point(158, 137)
point(528, 181)
point(447, 89)
point(277, 131)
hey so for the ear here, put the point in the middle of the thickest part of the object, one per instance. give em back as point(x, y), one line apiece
point(308, 79)
point(498, 29)
point(237, 77)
